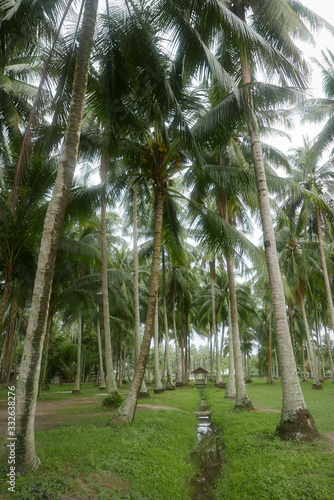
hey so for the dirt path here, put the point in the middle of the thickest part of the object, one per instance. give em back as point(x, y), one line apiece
point(49, 413)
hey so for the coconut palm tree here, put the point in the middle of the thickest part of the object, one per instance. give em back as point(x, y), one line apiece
point(319, 180)
point(30, 367)
point(273, 26)
point(296, 259)
point(290, 16)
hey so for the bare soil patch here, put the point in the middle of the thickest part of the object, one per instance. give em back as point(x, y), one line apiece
point(329, 438)
point(49, 413)
point(267, 410)
point(152, 408)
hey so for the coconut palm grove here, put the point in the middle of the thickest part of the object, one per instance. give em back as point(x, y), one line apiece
point(166, 268)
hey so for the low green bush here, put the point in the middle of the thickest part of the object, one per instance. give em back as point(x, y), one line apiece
point(112, 401)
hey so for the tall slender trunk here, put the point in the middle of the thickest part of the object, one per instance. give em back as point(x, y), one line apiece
point(158, 387)
point(324, 266)
point(27, 387)
point(303, 357)
point(120, 364)
point(182, 343)
point(230, 388)
point(163, 374)
point(316, 382)
point(77, 380)
point(178, 379)
point(126, 412)
point(124, 361)
point(214, 322)
point(83, 362)
point(319, 347)
point(211, 353)
point(296, 420)
point(186, 355)
point(143, 390)
point(308, 363)
point(276, 364)
point(328, 343)
point(291, 326)
point(149, 368)
point(103, 385)
point(170, 386)
point(208, 353)
point(111, 382)
point(44, 382)
point(242, 400)
point(270, 377)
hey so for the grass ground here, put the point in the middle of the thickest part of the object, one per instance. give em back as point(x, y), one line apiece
point(149, 460)
point(88, 459)
point(259, 466)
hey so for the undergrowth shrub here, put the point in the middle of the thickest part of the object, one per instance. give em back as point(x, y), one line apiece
point(113, 401)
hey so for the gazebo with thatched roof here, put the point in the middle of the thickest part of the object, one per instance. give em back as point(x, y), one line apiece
point(201, 377)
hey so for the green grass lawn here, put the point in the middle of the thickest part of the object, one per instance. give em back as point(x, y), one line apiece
point(145, 460)
point(149, 459)
point(259, 466)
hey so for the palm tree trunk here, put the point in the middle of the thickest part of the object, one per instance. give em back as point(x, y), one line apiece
point(211, 354)
point(103, 385)
point(149, 368)
point(158, 387)
point(230, 388)
point(270, 377)
point(27, 387)
point(77, 381)
point(321, 365)
point(111, 382)
point(316, 382)
point(242, 400)
point(178, 379)
point(214, 324)
point(126, 412)
point(170, 386)
point(182, 343)
point(119, 364)
point(124, 361)
point(44, 382)
point(143, 393)
point(276, 365)
point(324, 266)
point(291, 326)
point(296, 420)
point(303, 357)
point(186, 349)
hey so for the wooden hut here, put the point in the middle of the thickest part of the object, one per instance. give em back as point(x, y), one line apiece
point(201, 377)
